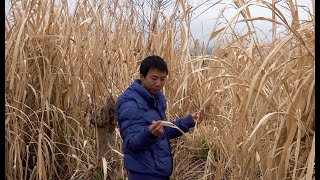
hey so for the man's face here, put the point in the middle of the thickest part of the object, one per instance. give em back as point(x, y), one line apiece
point(154, 80)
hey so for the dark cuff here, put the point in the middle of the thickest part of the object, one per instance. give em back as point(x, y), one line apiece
point(148, 134)
point(189, 121)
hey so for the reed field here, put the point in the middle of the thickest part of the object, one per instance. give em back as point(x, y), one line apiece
point(65, 67)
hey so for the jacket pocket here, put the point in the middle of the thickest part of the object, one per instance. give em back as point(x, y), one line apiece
point(154, 158)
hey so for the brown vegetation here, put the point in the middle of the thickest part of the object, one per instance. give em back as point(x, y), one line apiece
point(61, 66)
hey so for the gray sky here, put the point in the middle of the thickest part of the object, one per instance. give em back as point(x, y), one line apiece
point(203, 25)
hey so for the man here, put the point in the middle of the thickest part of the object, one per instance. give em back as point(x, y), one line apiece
point(146, 146)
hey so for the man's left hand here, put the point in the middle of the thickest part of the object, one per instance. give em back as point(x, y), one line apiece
point(197, 116)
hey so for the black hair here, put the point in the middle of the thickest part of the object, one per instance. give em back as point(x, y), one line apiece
point(153, 62)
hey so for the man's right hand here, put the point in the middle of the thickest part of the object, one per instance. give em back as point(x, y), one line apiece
point(156, 128)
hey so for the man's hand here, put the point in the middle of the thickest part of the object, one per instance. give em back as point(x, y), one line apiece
point(197, 116)
point(156, 128)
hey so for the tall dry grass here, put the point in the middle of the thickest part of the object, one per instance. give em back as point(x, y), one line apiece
point(62, 64)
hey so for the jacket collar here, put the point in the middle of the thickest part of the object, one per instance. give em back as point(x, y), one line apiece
point(136, 85)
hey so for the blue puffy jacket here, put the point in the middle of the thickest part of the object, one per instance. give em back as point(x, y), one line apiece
point(143, 152)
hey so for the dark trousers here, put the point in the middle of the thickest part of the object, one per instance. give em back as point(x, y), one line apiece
point(139, 176)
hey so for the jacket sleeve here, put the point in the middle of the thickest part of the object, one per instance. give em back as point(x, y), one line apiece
point(134, 129)
point(184, 124)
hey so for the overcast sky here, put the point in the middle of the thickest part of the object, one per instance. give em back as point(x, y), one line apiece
point(203, 25)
